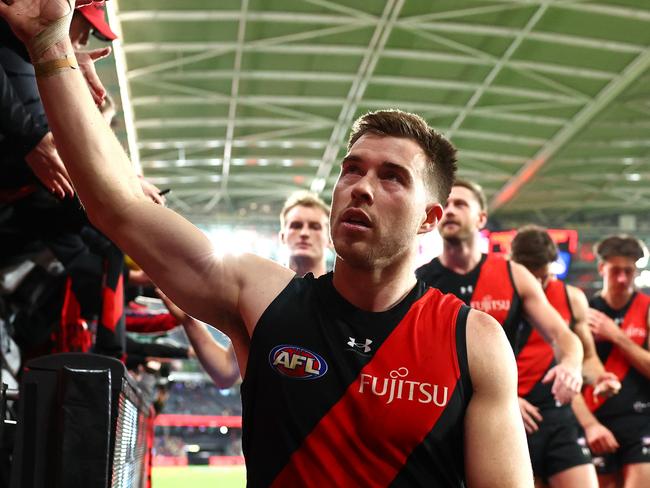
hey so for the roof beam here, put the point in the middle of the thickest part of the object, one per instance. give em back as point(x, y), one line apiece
point(235, 16)
point(496, 69)
point(229, 47)
point(232, 108)
point(529, 170)
point(607, 10)
point(121, 70)
point(366, 68)
point(462, 12)
point(550, 37)
point(342, 50)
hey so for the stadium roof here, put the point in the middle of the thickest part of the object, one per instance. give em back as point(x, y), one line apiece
point(235, 104)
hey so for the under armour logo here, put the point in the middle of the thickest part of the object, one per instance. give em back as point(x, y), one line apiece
point(466, 290)
point(365, 346)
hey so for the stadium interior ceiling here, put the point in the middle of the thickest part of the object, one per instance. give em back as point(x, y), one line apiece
point(235, 104)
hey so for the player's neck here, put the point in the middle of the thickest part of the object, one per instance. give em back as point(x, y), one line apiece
point(303, 266)
point(374, 289)
point(460, 256)
point(616, 300)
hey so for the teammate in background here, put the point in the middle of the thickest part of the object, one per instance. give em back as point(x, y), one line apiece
point(618, 428)
point(503, 289)
point(304, 230)
point(319, 410)
point(556, 442)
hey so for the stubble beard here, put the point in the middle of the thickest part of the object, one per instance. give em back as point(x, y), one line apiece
point(370, 256)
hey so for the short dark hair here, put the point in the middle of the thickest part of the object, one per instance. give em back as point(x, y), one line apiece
point(440, 153)
point(533, 247)
point(623, 245)
point(302, 199)
point(476, 189)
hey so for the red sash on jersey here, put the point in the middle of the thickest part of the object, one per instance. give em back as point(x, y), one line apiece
point(635, 326)
point(494, 290)
point(557, 295)
point(365, 434)
point(536, 356)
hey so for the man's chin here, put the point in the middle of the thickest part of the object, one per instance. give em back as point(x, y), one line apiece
point(302, 253)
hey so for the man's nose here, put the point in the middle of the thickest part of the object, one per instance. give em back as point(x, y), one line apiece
point(363, 190)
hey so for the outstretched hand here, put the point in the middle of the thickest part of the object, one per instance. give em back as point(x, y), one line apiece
point(607, 385)
point(567, 382)
point(86, 61)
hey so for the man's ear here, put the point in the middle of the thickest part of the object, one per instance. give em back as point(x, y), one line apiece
point(482, 220)
point(281, 237)
point(433, 216)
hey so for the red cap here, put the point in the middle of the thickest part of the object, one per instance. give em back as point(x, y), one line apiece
point(95, 15)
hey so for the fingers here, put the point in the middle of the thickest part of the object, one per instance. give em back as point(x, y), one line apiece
point(86, 60)
point(610, 443)
point(607, 388)
point(97, 54)
point(603, 444)
point(529, 424)
point(60, 175)
point(550, 376)
point(530, 415)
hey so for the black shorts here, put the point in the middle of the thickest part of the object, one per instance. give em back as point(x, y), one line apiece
point(558, 445)
point(633, 435)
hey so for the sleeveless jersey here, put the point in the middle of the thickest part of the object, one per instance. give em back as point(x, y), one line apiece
point(488, 287)
point(535, 356)
point(338, 396)
point(634, 397)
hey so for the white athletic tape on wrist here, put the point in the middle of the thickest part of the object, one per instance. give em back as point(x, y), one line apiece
point(53, 33)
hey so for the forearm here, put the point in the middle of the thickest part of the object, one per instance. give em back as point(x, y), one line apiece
point(96, 162)
point(592, 369)
point(219, 362)
point(638, 357)
point(568, 349)
point(582, 412)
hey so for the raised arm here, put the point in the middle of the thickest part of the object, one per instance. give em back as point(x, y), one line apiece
point(218, 361)
point(174, 253)
point(566, 376)
point(495, 441)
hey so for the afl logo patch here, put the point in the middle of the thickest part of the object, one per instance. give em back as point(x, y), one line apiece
point(296, 362)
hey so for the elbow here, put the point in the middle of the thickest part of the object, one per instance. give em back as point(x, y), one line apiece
point(223, 383)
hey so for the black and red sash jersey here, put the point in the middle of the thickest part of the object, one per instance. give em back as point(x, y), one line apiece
point(634, 397)
point(535, 356)
point(338, 396)
point(488, 287)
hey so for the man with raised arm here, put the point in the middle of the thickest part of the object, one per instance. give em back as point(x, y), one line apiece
point(428, 399)
point(501, 288)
